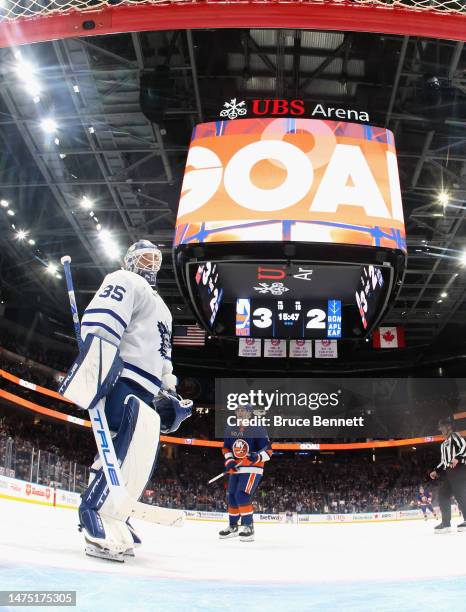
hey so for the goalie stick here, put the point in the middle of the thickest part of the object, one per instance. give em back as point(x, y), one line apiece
point(115, 482)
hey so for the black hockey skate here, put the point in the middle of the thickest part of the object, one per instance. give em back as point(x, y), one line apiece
point(461, 526)
point(442, 528)
point(230, 532)
point(247, 533)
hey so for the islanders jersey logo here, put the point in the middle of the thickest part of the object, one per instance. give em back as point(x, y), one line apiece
point(240, 449)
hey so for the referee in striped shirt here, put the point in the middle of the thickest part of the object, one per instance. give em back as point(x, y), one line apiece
point(452, 474)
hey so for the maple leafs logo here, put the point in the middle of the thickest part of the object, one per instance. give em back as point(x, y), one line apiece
point(388, 336)
point(165, 340)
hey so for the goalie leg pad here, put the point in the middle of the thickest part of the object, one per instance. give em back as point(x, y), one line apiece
point(93, 374)
point(136, 446)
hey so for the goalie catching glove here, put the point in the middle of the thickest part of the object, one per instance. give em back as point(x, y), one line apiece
point(172, 411)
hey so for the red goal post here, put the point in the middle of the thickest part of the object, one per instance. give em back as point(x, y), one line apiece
point(28, 21)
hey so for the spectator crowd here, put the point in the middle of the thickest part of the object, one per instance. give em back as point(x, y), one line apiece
point(347, 483)
point(302, 482)
point(352, 483)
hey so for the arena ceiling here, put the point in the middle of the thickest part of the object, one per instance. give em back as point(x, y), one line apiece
point(103, 148)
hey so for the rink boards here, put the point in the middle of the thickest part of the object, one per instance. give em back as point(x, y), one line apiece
point(21, 490)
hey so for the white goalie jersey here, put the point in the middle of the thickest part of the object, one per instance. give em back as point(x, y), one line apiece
point(126, 311)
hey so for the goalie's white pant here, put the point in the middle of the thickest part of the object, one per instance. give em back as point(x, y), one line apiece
point(136, 446)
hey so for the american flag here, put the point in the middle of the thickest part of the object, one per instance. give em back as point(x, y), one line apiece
point(188, 335)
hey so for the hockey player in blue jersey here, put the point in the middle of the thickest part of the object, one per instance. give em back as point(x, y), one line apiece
point(424, 501)
point(245, 449)
point(128, 312)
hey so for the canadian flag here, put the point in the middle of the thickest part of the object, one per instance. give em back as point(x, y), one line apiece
point(388, 337)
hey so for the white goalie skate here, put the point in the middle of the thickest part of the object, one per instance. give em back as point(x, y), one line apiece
point(105, 538)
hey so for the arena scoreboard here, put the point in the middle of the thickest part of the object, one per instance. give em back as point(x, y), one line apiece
point(290, 228)
point(280, 299)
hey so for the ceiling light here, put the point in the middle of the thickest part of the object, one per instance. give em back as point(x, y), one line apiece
point(444, 294)
point(21, 234)
point(91, 214)
point(98, 227)
point(52, 268)
point(443, 198)
point(57, 141)
point(62, 155)
point(11, 212)
point(86, 202)
point(4, 203)
point(91, 130)
point(31, 242)
point(25, 71)
point(76, 88)
point(58, 276)
point(439, 301)
point(463, 259)
point(111, 248)
point(48, 125)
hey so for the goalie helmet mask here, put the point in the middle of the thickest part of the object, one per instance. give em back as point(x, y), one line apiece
point(145, 259)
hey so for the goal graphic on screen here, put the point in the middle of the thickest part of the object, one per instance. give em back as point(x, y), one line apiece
point(27, 21)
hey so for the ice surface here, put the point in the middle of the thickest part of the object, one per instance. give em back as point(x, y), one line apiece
point(379, 566)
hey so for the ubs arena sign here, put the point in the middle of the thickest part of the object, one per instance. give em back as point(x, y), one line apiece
point(291, 179)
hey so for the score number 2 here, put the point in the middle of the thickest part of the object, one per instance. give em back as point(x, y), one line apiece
point(316, 318)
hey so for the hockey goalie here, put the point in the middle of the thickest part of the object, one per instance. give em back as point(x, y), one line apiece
point(126, 330)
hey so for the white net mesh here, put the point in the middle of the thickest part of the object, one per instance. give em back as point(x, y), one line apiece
point(11, 10)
